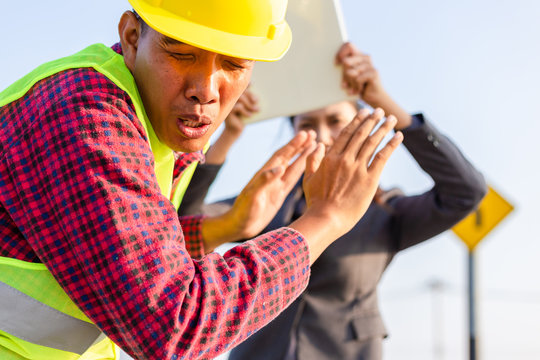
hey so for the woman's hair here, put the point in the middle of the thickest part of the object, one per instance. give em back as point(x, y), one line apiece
point(291, 119)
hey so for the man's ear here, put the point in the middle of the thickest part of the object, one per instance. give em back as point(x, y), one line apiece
point(129, 30)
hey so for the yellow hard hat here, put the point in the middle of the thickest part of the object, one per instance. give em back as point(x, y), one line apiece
point(247, 29)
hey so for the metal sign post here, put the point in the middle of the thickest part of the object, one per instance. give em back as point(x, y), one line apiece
point(472, 230)
point(472, 308)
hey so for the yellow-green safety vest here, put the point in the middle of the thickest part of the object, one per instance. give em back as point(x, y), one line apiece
point(38, 320)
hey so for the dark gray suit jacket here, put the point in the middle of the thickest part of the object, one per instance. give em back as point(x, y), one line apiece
point(337, 316)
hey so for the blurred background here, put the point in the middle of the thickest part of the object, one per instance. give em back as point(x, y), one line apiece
point(472, 68)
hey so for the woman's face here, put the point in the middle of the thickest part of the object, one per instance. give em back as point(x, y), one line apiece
point(326, 122)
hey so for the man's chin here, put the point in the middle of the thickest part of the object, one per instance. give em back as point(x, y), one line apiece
point(187, 146)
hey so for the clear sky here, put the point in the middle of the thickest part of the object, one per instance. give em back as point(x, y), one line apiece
point(472, 68)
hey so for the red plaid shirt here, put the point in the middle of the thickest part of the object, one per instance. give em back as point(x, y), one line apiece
point(78, 193)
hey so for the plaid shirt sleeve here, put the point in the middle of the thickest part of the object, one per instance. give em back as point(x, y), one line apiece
point(191, 225)
point(191, 228)
point(78, 192)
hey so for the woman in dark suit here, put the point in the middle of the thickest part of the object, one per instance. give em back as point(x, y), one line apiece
point(337, 317)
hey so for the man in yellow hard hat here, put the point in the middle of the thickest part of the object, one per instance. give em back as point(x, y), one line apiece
point(95, 153)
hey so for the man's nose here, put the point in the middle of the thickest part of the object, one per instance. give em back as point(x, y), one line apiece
point(203, 86)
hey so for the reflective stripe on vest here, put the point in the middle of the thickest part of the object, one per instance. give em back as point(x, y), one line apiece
point(43, 325)
point(31, 325)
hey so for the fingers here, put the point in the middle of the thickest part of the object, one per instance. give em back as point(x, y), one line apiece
point(346, 50)
point(366, 76)
point(246, 105)
point(242, 110)
point(358, 141)
point(275, 172)
point(285, 154)
point(293, 172)
point(248, 102)
point(314, 159)
point(380, 159)
point(357, 70)
point(357, 60)
point(360, 126)
point(361, 142)
point(354, 73)
point(251, 100)
point(373, 141)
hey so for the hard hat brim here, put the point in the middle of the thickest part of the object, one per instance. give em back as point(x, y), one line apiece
point(235, 45)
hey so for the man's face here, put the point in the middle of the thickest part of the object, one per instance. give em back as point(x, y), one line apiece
point(187, 92)
point(326, 122)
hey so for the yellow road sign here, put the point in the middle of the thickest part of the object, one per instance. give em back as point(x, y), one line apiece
point(478, 224)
